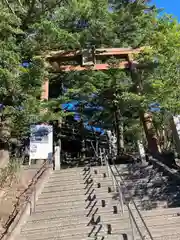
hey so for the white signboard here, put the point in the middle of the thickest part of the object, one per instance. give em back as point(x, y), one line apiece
point(41, 142)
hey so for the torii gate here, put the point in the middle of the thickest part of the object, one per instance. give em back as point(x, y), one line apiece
point(96, 59)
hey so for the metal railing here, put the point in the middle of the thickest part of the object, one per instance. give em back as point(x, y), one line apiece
point(118, 184)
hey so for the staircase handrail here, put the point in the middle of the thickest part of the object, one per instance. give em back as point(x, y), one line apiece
point(26, 194)
point(127, 204)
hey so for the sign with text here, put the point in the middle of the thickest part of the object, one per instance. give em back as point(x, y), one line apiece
point(41, 142)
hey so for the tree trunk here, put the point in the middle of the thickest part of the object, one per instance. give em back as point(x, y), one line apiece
point(152, 140)
point(146, 118)
point(119, 130)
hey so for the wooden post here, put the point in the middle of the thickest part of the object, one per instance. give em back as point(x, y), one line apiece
point(45, 90)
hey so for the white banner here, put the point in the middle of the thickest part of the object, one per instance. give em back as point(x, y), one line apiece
point(41, 142)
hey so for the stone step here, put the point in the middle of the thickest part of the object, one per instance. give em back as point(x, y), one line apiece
point(122, 222)
point(57, 221)
point(61, 197)
point(98, 186)
point(75, 170)
point(166, 237)
point(80, 184)
point(56, 191)
point(128, 193)
point(138, 174)
point(105, 237)
point(131, 179)
point(151, 222)
point(77, 184)
point(157, 235)
point(145, 181)
point(67, 178)
point(60, 232)
point(65, 175)
point(67, 181)
point(156, 194)
point(158, 212)
point(156, 229)
point(145, 200)
point(84, 187)
point(52, 203)
point(133, 168)
point(73, 222)
point(154, 181)
point(75, 206)
point(68, 202)
point(73, 213)
point(63, 188)
point(69, 172)
point(99, 236)
point(79, 194)
point(149, 205)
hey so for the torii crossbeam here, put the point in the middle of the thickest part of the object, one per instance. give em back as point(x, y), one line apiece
point(87, 59)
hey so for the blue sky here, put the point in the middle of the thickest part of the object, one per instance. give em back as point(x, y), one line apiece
point(170, 6)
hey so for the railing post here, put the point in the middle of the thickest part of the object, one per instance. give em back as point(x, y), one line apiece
point(121, 200)
point(34, 206)
point(114, 183)
point(107, 165)
point(100, 153)
point(57, 159)
point(112, 177)
point(132, 227)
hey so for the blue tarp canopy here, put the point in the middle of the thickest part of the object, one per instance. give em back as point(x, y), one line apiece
point(73, 106)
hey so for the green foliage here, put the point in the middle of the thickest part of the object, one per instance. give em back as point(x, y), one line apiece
point(9, 174)
point(31, 28)
point(20, 88)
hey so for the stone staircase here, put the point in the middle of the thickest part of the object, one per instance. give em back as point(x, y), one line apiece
point(76, 204)
point(157, 196)
point(81, 204)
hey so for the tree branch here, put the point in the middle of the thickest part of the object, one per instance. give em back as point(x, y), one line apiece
point(29, 12)
point(9, 6)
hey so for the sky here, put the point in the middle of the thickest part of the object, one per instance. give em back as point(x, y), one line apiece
point(170, 6)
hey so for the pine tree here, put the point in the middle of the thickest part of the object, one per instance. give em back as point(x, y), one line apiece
point(32, 28)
